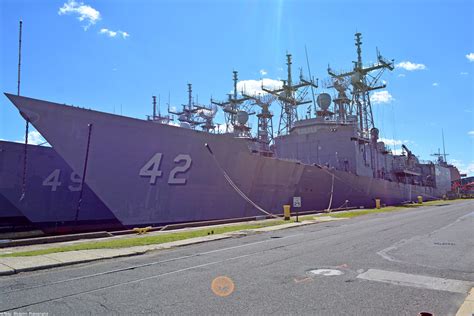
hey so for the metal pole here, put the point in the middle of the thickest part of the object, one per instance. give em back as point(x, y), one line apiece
point(23, 187)
point(444, 149)
point(311, 78)
point(83, 174)
point(19, 58)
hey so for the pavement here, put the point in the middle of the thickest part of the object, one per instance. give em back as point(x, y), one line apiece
point(395, 263)
point(12, 265)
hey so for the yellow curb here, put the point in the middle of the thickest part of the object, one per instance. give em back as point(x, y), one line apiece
point(467, 308)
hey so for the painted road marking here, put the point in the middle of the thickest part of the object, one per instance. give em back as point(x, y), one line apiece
point(467, 308)
point(326, 272)
point(414, 280)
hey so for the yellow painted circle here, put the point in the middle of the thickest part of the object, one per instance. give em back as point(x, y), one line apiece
point(222, 286)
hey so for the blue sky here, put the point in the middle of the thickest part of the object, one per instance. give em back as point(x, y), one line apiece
point(113, 56)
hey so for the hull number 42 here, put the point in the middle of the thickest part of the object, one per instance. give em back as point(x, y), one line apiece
point(152, 168)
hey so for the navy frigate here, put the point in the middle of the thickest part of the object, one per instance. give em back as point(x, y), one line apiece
point(148, 172)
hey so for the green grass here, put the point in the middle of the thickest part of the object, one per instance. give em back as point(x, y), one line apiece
point(146, 240)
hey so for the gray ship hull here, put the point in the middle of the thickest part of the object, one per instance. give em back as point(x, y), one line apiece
point(51, 192)
point(10, 216)
point(153, 173)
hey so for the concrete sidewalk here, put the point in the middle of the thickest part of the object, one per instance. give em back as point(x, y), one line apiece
point(12, 265)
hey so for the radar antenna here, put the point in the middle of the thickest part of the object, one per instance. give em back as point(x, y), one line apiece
point(363, 82)
point(208, 114)
point(189, 112)
point(290, 98)
point(265, 122)
point(235, 114)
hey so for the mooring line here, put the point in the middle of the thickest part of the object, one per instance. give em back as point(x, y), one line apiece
point(235, 187)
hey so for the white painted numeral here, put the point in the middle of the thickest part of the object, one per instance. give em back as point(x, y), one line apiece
point(53, 180)
point(179, 169)
point(77, 180)
point(152, 168)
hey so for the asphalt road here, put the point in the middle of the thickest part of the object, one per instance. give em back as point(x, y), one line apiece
point(398, 263)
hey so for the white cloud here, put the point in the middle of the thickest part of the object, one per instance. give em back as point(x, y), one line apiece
point(408, 65)
point(469, 169)
point(401, 75)
point(263, 72)
point(435, 84)
point(254, 87)
point(84, 12)
point(470, 133)
point(463, 73)
point(470, 57)
point(111, 33)
point(393, 142)
point(381, 97)
point(34, 138)
point(463, 167)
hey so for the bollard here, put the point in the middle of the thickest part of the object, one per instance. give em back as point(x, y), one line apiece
point(286, 212)
point(420, 199)
point(377, 203)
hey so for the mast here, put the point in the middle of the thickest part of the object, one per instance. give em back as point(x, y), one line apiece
point(19, 58)
point(190, 110)
point(444, 148)
point(156, 115)
point(441, 157)
point(265, 122)
point(232, 107)
point(364, 79)
point(290, 98)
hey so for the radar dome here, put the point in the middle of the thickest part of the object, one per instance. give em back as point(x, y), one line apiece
point(324, 100)
point(242, 117)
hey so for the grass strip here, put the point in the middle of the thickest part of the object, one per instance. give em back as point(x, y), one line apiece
point(146, 240)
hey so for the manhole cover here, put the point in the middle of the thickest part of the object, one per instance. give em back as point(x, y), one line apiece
point(326, 272)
